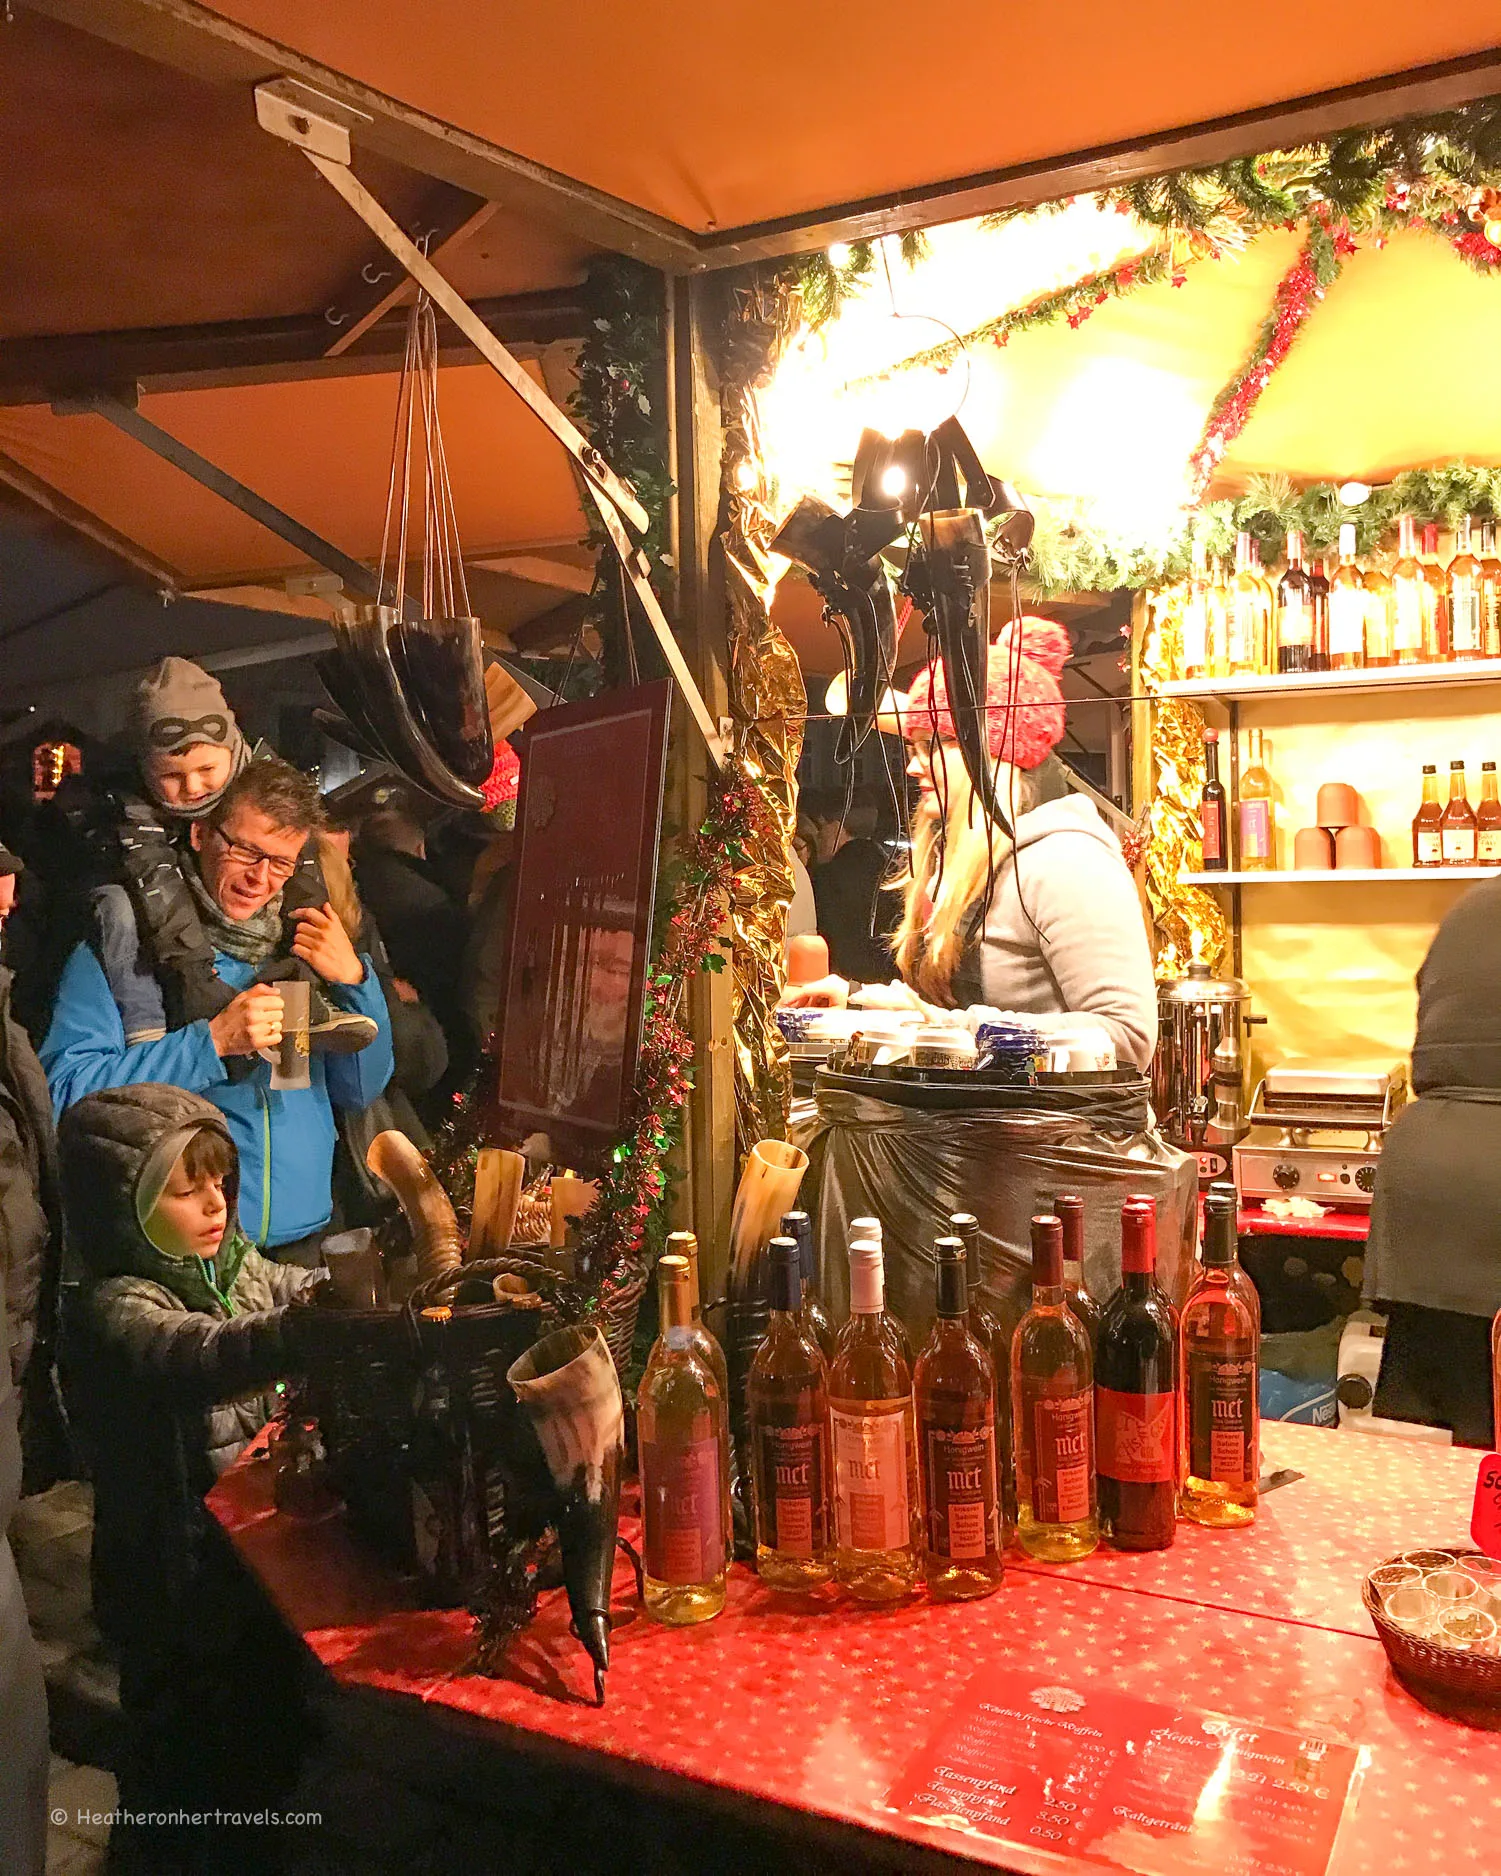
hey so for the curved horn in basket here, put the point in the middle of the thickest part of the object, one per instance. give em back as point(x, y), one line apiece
point(569, 1390)
point(435, 1230)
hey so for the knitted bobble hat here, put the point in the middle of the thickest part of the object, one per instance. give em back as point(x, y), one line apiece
point(1025, 711)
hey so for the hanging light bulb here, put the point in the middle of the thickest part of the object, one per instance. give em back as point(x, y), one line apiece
point(894, 480)
point(839, 254)
point(1353, 494)
point(1493, 232)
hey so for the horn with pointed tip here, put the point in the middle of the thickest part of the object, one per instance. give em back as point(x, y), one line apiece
point(569, 1390)
point(959, 568)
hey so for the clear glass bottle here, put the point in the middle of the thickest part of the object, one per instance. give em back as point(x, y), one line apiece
point(1257, 824)
point(1410, 596)
point(1458, 834)
point(1490, 591)
point(1219, 1361)
point(684, 1244)
point(868, 1230)
point(1248, 612)
point(1427, 823)
point(990, 1329)
point(1347, 607)
point(873, 1433)
point(954, 1391)
point(816, 1320)
point(1070, 1208)
point(1295, 611)
point(1435, 598)
point(1380, 619)
point(1136, 1396)
point(1488, 821)
point(1217, 624)
point(787, 1397)
point(1052, 1414)
point(682, 1420)
point(1466, 623)
point(1266, 634)
point(1195, 658)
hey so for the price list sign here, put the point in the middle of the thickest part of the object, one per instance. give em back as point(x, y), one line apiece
point(1082, 1771)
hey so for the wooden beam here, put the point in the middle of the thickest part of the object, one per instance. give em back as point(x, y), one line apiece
point(449, 217)
point(50, 501)
point(262, 351)
point(539, 572)
point(703, 1198)
point(190, 37)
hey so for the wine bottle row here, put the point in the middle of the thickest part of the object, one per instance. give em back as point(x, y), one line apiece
point(1343, 614)
point(884, 1474)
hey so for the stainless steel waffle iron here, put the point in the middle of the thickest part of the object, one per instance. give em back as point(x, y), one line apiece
point(1315, 1132)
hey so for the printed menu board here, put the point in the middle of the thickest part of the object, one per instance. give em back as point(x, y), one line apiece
point(1083, 1771)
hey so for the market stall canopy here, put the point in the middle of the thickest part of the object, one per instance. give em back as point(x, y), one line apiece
point(718, 120)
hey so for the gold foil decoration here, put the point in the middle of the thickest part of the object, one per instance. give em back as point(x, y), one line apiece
point(1188, 920)
point(768, 706)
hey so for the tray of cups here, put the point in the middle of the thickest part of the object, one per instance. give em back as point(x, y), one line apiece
point(1438, 1614)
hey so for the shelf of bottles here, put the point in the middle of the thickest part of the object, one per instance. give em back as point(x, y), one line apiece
point(1408, 621)
point(1342, 876)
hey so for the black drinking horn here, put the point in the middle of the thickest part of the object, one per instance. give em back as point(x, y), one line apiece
point(569, 1390)
point(443, 663)
point(338, 680)
point(365, 646)
point(959, 564)
point(873, 622)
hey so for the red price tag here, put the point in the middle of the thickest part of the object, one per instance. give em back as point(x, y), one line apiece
point(1485, 1521)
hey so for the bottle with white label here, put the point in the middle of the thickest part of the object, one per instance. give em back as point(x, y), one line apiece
point(1466, 621)
point(872, 1428)
point(1427, 823)
point(1347, 607)
point(1457, 828)
point(681, 1415)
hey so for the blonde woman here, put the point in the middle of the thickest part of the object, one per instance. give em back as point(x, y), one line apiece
point(1045, 923)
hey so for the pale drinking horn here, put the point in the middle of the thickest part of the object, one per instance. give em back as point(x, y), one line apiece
point(435, 1231)
point(569, 1390)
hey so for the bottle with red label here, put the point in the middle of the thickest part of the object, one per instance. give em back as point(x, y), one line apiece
point(1214, 810)
point(873, 1435)
point(1219, 1360)
point(685, 1498)
point(1136, 1395)
point(954, 1390)
point(788, 1403)
point(1052, 1414)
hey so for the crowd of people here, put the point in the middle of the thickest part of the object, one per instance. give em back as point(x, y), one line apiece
point(166, 1188)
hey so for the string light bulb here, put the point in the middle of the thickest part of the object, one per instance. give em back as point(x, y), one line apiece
point(1354, 494)
point(1493, 231)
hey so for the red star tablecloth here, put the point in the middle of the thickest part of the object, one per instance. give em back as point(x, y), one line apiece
point(821, 1708)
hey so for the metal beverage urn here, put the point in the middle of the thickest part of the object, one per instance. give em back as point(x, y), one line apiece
point(1199, 1073)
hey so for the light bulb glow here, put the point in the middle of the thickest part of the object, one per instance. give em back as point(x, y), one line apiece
point(745, 474)
point(1353, 494)
point(839, 254)
point(893, 480)
point(1493, 233)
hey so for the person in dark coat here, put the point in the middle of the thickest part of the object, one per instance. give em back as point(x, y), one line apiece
point(26, 1284)
point(1434, 1256)
point(854, 916)
point(424, 928)
point(172, 1347)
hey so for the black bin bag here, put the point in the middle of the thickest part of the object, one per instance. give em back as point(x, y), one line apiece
point(910, 1154)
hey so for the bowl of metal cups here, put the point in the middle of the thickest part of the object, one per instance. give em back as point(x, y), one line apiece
point(1438, 1614)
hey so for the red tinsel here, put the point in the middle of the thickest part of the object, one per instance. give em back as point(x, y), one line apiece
point(1298, 293)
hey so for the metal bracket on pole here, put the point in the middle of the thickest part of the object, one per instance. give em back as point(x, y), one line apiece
point(320, 129)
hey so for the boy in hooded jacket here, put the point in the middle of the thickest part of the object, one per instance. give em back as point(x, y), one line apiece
point(174, 1337)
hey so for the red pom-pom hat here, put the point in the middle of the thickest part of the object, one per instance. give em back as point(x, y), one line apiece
point(1023, 674)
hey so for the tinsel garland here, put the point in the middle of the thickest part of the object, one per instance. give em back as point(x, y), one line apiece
point(1298, 293)
point(616, 1240)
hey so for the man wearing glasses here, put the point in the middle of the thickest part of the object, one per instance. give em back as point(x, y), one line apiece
point(243, 853)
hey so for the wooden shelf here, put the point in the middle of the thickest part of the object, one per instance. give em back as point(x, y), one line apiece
point(1343, 876)
point(1409, 677)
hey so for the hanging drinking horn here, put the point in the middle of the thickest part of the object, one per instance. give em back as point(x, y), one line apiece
point(569, 1390)
point(959, 570)
point(365, 648)
point(444, 667)
point(435, 1231)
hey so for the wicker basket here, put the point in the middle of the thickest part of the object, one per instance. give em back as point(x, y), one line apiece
point(1459, 1685)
